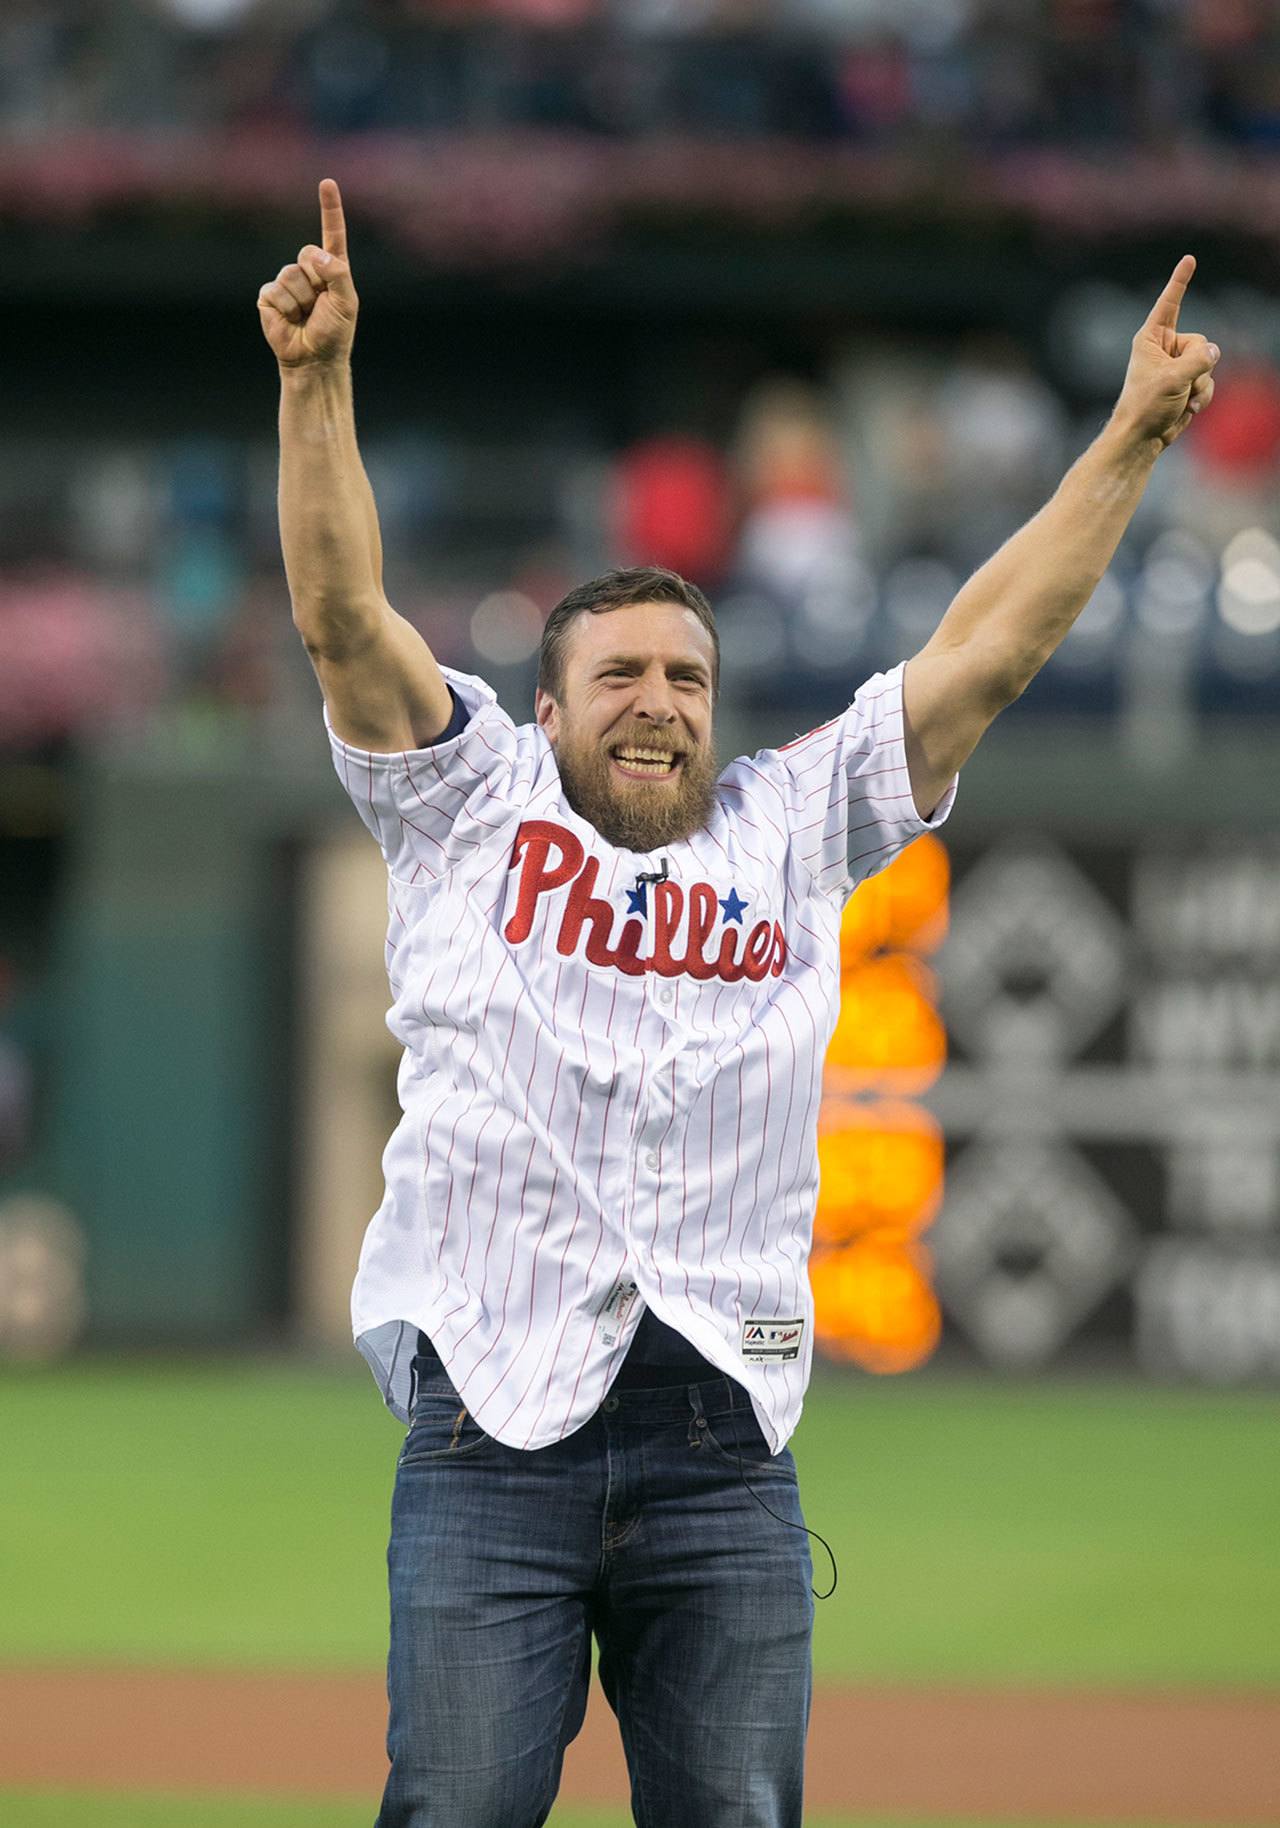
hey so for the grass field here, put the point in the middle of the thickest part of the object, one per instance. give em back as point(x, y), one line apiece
point(57, 1810)
point(234, 1515)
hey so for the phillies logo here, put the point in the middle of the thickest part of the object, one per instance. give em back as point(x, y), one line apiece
point(549, 858)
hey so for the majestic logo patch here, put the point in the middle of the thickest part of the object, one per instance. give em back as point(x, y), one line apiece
point(766, 1342)
point(550, 858)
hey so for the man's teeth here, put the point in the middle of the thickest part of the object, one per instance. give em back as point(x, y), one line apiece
point(654, 761)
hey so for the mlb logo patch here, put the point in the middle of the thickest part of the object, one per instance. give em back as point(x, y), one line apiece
point(765, 1342)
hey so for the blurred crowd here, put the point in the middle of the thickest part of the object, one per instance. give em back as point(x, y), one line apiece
point(992, 73)
point(832, 525)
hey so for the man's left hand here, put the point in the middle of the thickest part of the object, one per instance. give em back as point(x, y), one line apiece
point(1170, 374)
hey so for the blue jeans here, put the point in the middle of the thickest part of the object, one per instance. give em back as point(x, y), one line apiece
point(636, 1528)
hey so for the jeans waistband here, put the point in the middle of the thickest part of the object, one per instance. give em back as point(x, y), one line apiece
point(714, 1396)
point(659, 1357)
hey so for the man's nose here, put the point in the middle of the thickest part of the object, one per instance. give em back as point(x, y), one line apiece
point(655, 700)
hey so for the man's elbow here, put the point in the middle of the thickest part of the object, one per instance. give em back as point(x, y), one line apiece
point(338, 628)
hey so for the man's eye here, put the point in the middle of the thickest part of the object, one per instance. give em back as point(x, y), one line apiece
point(694, 679)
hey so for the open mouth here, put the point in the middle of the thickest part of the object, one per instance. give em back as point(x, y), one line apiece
point(645, 764)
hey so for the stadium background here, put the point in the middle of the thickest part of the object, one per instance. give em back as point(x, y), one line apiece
point(814, 300)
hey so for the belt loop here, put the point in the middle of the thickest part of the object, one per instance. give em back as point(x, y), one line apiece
point(697, 1421)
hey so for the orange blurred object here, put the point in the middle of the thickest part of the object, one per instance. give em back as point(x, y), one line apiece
point(875, 1305)
point(903, 909)
point(881, 1170)
point(889, 1036)
point(881, 1159)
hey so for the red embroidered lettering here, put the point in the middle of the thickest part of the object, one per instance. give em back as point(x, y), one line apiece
point(535, 839)
point(547, 857)
point(627, 958)
point(582, 909)
point(758, 950)
point(779, 950)
point(702, 920)
point(729, 966)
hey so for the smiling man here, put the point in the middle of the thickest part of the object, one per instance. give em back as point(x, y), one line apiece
point(615, 971)
point(628, 672)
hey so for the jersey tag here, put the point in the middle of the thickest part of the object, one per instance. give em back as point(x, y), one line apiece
point(765, 1342)
point(615, 1310)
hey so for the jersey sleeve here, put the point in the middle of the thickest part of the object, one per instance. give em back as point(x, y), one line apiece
point(846, 790)
point(429, 808)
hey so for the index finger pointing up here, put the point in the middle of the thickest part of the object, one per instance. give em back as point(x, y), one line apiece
point(1164, 313)
point(333, 224)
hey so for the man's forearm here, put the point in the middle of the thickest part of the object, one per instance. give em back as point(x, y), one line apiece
point(328, 521)
point(1018, 607)
point(1013, 613)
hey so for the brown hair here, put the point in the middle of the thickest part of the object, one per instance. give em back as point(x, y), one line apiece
point(614, 590)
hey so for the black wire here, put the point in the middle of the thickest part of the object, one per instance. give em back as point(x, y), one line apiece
point(835, 1573)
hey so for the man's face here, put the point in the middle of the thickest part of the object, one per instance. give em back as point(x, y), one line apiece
point(632, 727)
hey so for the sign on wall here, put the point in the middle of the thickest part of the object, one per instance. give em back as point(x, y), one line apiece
point(1112, 1105)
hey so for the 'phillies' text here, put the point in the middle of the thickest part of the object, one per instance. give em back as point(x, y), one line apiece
point(548, 856)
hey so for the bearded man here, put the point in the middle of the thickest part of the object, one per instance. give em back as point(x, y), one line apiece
point(615, 972)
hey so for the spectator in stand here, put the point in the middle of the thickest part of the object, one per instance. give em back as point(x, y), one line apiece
point(1236, 461)
point(16, 1076)
point(1003, 433)
point(544, 12)
point(798, 539)
point(897, 73)
point(670, 506)
point(75, 656)
point(1223, 25)
point(875, 88)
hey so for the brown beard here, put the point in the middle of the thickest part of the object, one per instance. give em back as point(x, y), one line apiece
point(631, 814)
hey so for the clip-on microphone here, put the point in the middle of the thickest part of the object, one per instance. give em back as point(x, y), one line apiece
point(656, 875)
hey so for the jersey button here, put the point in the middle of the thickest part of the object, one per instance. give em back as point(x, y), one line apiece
point(651, 1160)
point(609, 1405)
point(664, 997)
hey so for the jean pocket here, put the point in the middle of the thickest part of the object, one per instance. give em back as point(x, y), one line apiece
point(442, 1429)
point(738, 1439)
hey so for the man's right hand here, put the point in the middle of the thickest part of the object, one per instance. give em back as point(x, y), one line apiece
point(308, 311)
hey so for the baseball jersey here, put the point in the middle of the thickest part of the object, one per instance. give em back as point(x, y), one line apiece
point(612, 1061)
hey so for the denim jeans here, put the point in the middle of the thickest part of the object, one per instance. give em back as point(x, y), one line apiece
point(637, 1529)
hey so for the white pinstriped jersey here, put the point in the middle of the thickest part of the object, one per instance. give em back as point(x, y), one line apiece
point(610, 1089)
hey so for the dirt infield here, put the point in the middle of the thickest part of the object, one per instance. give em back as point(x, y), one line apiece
point(1063, 1754)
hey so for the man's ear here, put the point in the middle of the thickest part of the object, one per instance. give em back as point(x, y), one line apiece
point(547, 713)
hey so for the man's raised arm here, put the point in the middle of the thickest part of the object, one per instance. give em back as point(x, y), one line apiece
point(1012, 613)
point(381, 683)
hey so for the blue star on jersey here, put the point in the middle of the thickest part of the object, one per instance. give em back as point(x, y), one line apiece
point(732, 903)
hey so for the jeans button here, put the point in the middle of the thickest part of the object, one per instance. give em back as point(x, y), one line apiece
point(610, 1404)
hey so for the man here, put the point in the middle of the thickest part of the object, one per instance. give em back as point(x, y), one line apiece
point(615, 971)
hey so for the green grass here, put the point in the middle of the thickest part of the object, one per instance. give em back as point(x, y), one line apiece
point(57, 1808)
point(1032, 1533)
point(54, 1809)
point(236, 1514)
